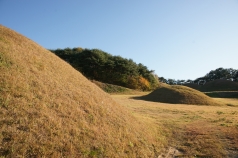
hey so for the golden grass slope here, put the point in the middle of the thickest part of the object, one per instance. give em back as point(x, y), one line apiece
point(48, 109)
point(177, 94)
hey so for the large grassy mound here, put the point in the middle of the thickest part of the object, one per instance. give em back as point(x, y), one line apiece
point(177, 94)
point(48, 109)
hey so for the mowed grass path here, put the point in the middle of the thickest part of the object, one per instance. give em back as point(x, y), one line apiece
point(196, 131)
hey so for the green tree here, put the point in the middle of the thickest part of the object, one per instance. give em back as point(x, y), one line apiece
point(163, 80)
point(220, 73)
point(98, 65)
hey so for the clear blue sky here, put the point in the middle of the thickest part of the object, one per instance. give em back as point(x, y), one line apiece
point(179, 39)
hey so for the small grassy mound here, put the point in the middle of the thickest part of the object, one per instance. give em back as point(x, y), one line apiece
point(114, 89)
point(177, 94)
point(48, 109)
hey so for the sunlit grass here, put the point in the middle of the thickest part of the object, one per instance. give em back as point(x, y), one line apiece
point(177, 94)
point(48, 109)
point(202, 131)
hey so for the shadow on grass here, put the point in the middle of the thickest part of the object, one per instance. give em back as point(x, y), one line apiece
point(222, 94)
point(153, 99)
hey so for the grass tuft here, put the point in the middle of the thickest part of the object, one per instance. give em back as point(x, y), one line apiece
point(4, 61)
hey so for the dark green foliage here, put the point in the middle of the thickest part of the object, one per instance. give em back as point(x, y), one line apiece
point(163, 80)
point(98, 65)
point(220, 73)
point(236, 76)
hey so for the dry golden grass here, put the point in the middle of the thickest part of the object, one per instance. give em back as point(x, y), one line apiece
point(196, 131)
point(233, 102)
point(177, 94)
point(48, 109)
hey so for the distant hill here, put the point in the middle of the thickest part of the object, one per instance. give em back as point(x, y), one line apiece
point(217, 74)
point(216, 85)
point(48, 109)
point(177, 94)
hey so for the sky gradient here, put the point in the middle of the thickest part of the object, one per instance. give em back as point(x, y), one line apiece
point(179, 39)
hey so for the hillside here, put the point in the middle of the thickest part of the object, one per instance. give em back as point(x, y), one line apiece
point(48, 109)
point(176, 94)
point(114, 89)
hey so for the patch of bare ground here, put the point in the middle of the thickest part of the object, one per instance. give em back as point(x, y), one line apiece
point(191, 130)
point(170, 153)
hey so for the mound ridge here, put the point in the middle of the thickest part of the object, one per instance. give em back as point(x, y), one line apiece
point(177, 94)
point(48, 109)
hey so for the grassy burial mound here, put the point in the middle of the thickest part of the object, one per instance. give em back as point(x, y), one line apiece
point(216, 85)
point(176, 94)
point(220, 85)
point(48, 109)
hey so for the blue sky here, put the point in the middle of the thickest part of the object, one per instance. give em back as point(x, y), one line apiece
point(179, 39)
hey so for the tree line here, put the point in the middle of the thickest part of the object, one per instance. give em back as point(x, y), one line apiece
point(98, 65)
point(219, 73)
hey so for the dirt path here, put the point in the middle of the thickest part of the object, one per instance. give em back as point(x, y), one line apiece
point(170, 153)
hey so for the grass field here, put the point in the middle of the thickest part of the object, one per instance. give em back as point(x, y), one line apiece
point(195, 131)
point(48, 109)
